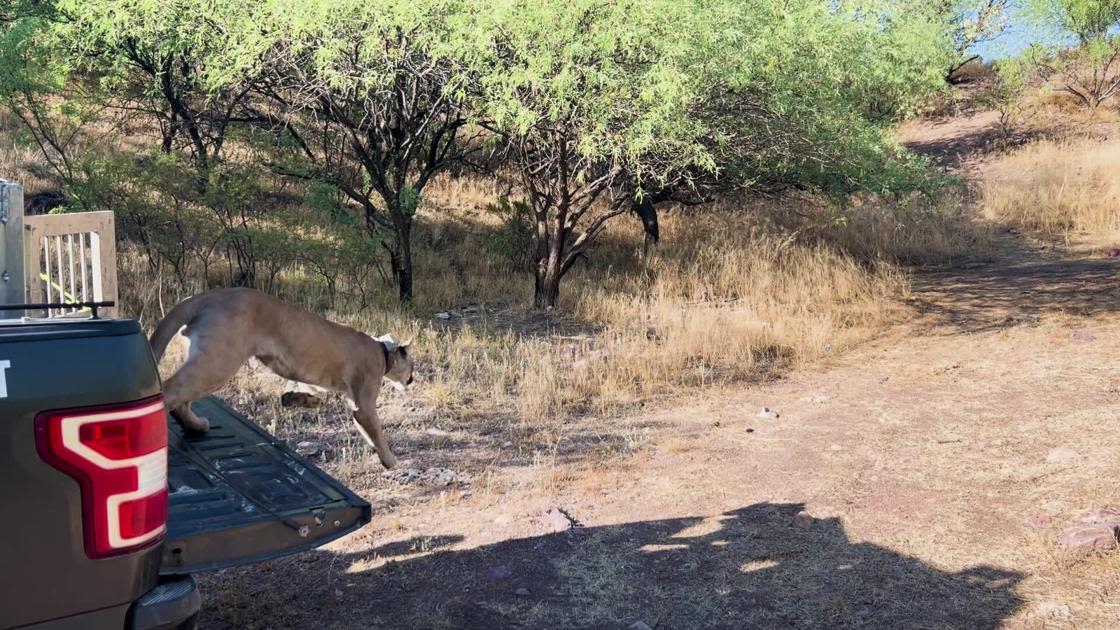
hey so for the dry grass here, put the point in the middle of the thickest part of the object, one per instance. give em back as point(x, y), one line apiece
point(734, 293)
point(1065, 189)
point(20, 162)
point(1056, 104)
point(723, 300)
point(917, 231)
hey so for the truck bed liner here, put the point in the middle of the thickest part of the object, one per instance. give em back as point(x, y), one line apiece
point(237, 495)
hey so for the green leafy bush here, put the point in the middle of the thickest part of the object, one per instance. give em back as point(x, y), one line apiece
point(512, 242)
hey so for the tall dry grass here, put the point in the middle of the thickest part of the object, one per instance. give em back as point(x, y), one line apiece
point(19, 161)
point(917, 230)
point(1062, 189)
point(726, 297)
point(733, 293)
point(722, 300)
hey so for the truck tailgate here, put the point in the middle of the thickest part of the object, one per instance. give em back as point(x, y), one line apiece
point(239, 495)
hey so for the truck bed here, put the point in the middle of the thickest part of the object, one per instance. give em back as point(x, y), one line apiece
point(239, 495)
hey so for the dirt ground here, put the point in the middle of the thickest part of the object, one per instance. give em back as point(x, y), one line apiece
point(919, 481)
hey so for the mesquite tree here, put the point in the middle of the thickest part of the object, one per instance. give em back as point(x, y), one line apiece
point(590, 96)
point(129, 64)
point(135, 59)
point(603, 102)
point(972, 22)
point(1089, 66)
point(368, 98)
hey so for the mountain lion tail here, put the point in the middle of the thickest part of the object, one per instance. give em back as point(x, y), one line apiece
point(183, 313)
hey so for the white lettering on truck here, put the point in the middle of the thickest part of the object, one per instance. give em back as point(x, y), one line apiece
point(4, 365)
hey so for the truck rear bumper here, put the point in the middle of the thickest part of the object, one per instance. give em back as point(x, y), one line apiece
point(172, 605)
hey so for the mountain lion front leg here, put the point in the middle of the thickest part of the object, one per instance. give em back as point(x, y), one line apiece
point(189, 420)
point(365, 416)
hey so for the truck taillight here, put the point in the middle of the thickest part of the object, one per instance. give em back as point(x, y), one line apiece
point(118, 454)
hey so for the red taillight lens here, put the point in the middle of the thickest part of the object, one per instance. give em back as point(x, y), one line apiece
point(140, 516)
point(119, 456)
point(122, 439)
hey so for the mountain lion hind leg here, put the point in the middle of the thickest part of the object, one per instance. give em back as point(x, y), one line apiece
point(201, 375)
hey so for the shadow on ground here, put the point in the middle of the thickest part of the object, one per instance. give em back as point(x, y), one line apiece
point(756, 567)
point(1003, 295)
point(953, 147)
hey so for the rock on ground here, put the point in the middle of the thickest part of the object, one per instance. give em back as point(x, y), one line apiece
point(1089, 538)
point(1105, 515)
point(1053, 609)
point(434, 476)
point(1062, 456)
point(558, 520)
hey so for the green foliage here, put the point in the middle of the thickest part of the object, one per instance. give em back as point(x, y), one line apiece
point(327, 201)
point(1089, 69)
point(25, 63)
point(1006, 94)
point(512, 242)
point(157, 67)
point(665, 86)
point(232, 231)
point(360, 104)
point(891, 54)
point(1087, 20)
point(37, 86)
point(409, 200)
point(115, 37)
point(158, 206)
point(373, 98)
point(971, 22)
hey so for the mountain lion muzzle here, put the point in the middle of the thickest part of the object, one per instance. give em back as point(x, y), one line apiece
point(225, 327)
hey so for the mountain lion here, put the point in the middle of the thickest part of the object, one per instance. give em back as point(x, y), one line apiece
point(225, 327)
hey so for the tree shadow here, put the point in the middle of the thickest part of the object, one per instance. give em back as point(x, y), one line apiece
point(953, 149)
point(762, 566)
point(998, 296)
point(416, 544)
point(471, 441)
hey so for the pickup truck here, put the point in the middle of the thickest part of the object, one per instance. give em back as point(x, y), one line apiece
point(108, 508)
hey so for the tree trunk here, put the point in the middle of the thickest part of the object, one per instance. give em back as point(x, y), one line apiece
point(647, 213)
point(546, 286)
point(546, 290)
point(953, 70)
point(246, 262)
point(400, 254)
point(403, 263)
